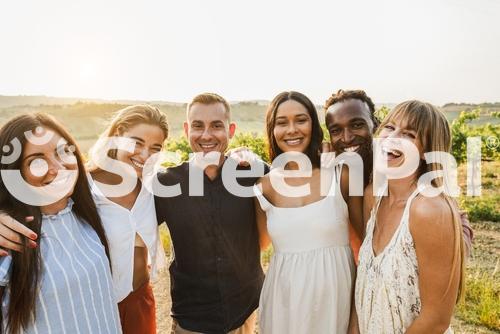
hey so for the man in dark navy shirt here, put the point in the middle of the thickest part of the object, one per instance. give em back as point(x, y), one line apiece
point(216, 276)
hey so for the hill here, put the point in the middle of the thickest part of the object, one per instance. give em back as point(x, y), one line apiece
point(86, 118)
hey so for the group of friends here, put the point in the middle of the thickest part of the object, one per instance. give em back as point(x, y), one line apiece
point(374, 263)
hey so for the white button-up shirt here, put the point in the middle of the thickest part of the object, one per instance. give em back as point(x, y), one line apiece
point(121, 226)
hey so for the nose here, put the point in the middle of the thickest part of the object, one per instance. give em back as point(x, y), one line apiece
point(291, 128)
point(55, 165)
point(206, 133)
point(144, 154)
point(348, 136)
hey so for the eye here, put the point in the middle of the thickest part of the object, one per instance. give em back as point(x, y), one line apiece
point(410, 135)
point(280, 123)
point(389, 127)
point(334, 131)
point(357, 126)
point(38, 167)
point(196, 126)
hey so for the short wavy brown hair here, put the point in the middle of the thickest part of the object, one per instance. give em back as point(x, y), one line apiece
point(210, 98)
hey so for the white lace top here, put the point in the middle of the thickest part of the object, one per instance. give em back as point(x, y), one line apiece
point(387, 294)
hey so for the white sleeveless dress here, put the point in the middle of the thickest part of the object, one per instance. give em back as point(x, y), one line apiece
point(309, 281)
point(387, 295)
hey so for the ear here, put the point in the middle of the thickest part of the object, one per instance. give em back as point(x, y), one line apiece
point(186, 129)
point(232, 130)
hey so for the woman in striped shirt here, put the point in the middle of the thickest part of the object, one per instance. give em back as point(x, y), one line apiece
point(64, 285)
point(129, 220)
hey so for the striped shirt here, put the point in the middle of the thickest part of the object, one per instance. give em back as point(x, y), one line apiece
point(76, 292)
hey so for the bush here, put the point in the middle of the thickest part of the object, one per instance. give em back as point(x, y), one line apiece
point(461, 130)
point(179, 145)
point(252, 141)
point(482, 208)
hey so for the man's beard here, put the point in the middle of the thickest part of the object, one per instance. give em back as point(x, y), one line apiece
point(365, 151)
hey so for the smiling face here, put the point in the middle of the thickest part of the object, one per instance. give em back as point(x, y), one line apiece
point(41, 163)
point(208, 128)
point(350, 127)
point(148, 141)
point(293, 127)
point(391, 131)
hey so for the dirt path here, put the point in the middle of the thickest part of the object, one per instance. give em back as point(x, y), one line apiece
point(161, 289)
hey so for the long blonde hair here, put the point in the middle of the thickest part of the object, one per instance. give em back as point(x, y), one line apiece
point(433, 132)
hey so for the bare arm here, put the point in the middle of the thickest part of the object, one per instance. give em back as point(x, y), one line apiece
point(431, 225)
point(355, 208)
point(354, 204)
point(11, 233)
point(261, 217)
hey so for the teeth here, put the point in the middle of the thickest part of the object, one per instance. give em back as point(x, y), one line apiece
point(386, 150)
point(351, 148)
point(208, 145)
point(137, 164)
point(56, 181)
point(293, 141)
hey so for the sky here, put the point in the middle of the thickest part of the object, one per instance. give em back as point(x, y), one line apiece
point(434, 50)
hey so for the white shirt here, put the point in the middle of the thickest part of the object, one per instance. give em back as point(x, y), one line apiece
point(121, 226)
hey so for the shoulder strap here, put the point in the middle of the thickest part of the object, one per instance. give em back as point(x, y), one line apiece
point(406, 211)
point(264, 203)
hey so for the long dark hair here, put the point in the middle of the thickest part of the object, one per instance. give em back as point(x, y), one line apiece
point(313, 150)
point(25, 275)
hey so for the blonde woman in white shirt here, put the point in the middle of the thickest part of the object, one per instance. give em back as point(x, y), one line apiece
point(130, 220)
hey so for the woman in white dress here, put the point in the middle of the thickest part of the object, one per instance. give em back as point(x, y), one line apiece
point(411, 265)
point(308, 286)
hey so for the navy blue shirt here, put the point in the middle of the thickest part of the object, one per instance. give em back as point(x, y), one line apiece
point(215, 275)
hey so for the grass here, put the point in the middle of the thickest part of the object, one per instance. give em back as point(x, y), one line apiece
point(487, 206)
point(481, 304)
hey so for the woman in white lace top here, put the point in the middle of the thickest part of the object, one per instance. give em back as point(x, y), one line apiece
point(411, 261)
